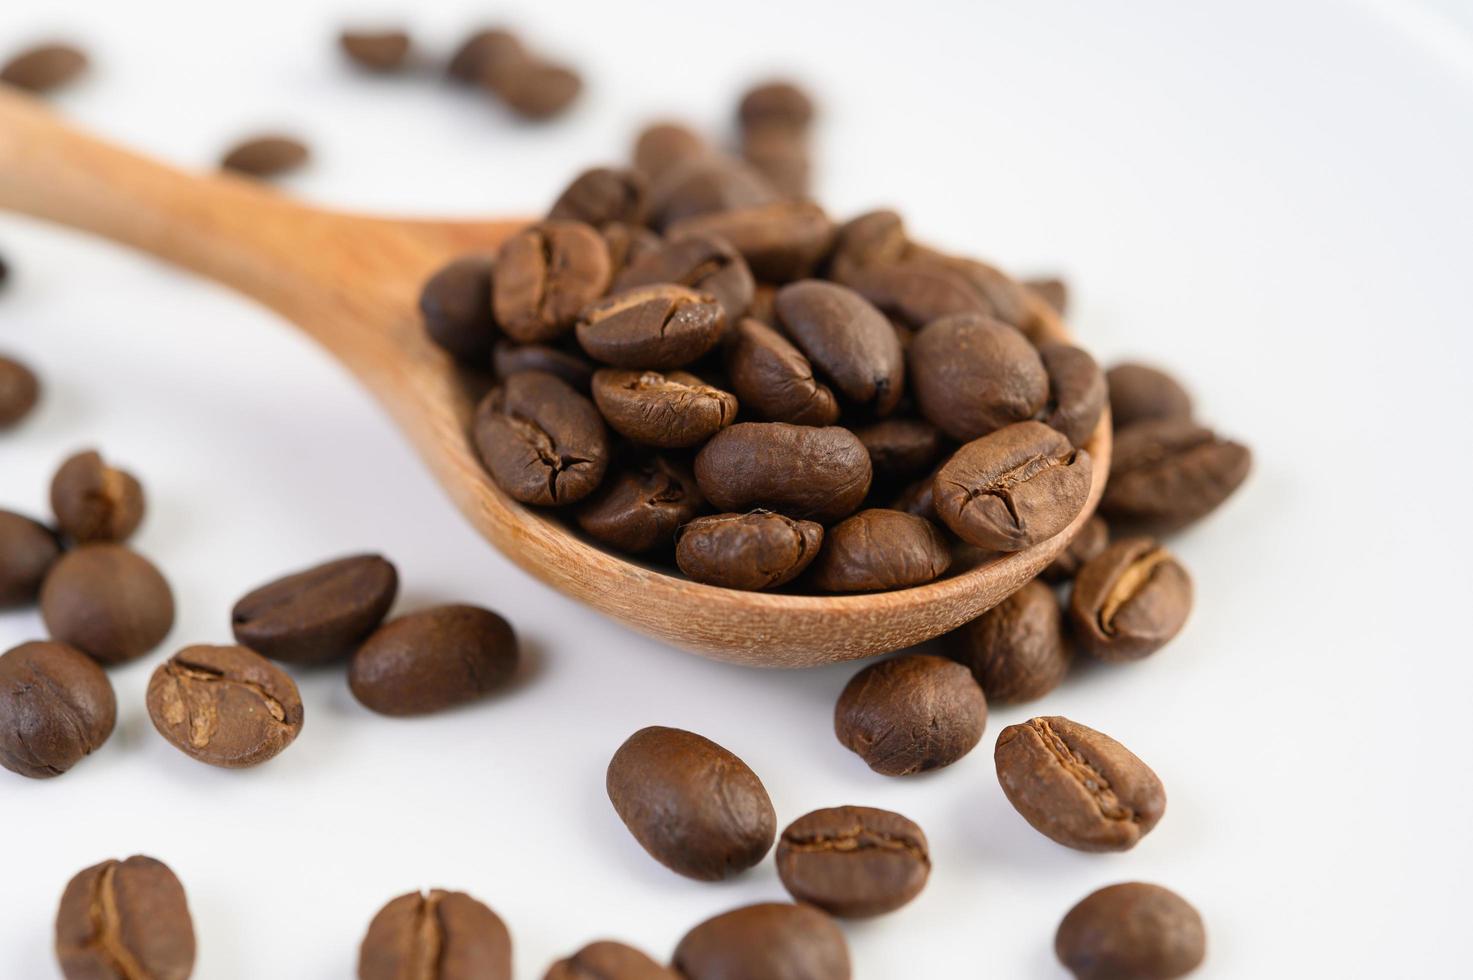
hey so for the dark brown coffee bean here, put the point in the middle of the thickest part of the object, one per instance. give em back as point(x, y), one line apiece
point(911, 713)
point(1132, 931)
point(764, 304)
point(813, 474)
point(774, 380)
point(914, 291)
point(107, 601)
point(781, 242)
point(379, 51)
point(628, 244)
point(95, 502)
point(1076, 398)
point(125, 920)
point(456, 306)
point(779, 154)
point(539, 90)
point(601, 195)
point(694, 806)
point(669, 411)
point(1089, 541)
point(56, 707)
point(1129, 601)
point(545, 274)
point(759, 550)
point(706, 184)
point(779, 103)
point(1077, 786)
point(657, 327)
point(19, 391)
point(606, 960)
point(1016, 650)
point(848, 339)
point(639, 508)
point(27, 552)
point(880, 549)
point(972, 375)
point(433, 659)
point(319, 614)
point(1141, 393)
point(853, 861)
point(541, 441)
point(266, 156)
point(662, 146)
point(487, 57)
point(1053, 291)
point(702, 262)
point(224, 706)
point(1169, 473)
point(900, 447)
point(919, 499)
point(874, 238)
point(770, 941)
point(441, 935)
point(1013, 488)
point(1003, 297)
point(44, 67)
point(572, 367)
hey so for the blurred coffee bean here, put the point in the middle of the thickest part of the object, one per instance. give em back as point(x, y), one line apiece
point(1142, 393)
point(433, 659)
point(319, 614)
point(871, 239)
point(456, 306)
point(1016, 650)
point(538, 90)
point(571, 367)
point(225, 706)
point(1129, 601)
point(781, 242)
point(663, 145)
point(601, 195)
point(706, 184)
point(28, 549)
point(486, 57)
point(1053, 291)
point(44, 68)
point(911, 713)
point(19, 391)
point(880, 549)
point(627, 245)
point(266, 156)
point(56, 708)
point(378, 51)
point(107, 601)
point(606, 960)
point(1088, 541)
point(776, 103)
point(95, 502)
point(758, 550)
point(770, 941)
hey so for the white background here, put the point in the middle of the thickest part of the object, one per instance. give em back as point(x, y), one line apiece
point(1271, 197)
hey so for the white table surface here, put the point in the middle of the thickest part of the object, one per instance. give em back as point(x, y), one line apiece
point(1271, 197)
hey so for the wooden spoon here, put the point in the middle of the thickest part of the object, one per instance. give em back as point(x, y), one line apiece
point(352, 282)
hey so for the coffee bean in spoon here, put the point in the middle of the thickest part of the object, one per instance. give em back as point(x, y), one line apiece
point(607, 960)
point(853, 861)
point(545, 275)
point(781, 242)
point(752, 551)
point(319, 614)
point(438, 935)
point(661, 146)
point(541, 441)
point(225, 706)
point(44, 67)
point(774, 380)
point(847, 339)
point(768, 941)
point(705, 263)
point(1017, 650)
point(627, 244)
point(641, 505)
point(1143, 393)
point(1077, 393)
point(382, 51)
point(56, 708)
point(818, 474)
point(972, 375)
point(1129, 601)
point(94, 501)
point(28, 549)
point(433, 659)
point(911, 713)
point(880, 549)
point(1092, 538)
point(267, 155)
point(673, 410)
point(20, 390)
point(1131, 931)
point(107, 601)
point(707, 184)
point(125, 920)
point(900, 447)
point(602, 195)
point(651, 327)
point(571, 366)
point(455, 304)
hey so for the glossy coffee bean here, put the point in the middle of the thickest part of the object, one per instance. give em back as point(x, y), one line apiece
point(266, 156)
point(770, 941)
point(872, 239)
point(911, 713)
point(94, 501)
point(1076, 391)
point(651, 327)
point(781, 242)
point(319, 614)
point(1129, 601)
point(880, 549)
point(853, 861)
point(1169, 473)
point(900, 447)
point(971, 376)
point(1077, 786)
point(606, 960)
point(1091, 539)
point(125, 920)
point(600, 195)
point(640, 506)
point(694, 806)
point(707, 184)
point(19, 390)
point(1132, 931)
point(1016, 650)
point(775, 103)
point(56, 708)
point(1142, 393)
point(44, 67)
point(702, 262)
point(627, 245)
point(538, 89)
point(541, 441)
point(753, 551)
point(663, 145)
point(849, 340)
point(27, 552)
point(914, 291)
point(226, 706)
point(571, 366)
point(674, 410)
point(433, 659)
point(1053, 291)
point(486, 57)
point(774, 380)
point(377, 51)
point(441, 935)
point(804, 472)
point(545, 274)
point(456, 306)
point(107, 601)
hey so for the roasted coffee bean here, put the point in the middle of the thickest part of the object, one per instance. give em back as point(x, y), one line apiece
point(266, 156)
point(1003, 297)
point(1091, 539)
point(914, 291)
point(433, 659)
point(774, 380)
point(125, 920)
point(539, 90)
point(542, 442)
point(487, 57)
point(694, 806)
point(675, 410)
point(19, 391)
point(107, 601)
point(758, 550)
point(627, 244)
point(545, 274)
point(781, 242)
point(319, 614)
point(972, 375)
point(853, 861)
point(658, 327)
point(880, 549)
point(1016, 650)
point(775, 103)
point(601, 195)
point(456, 306)
point(770, 941)
point(1076, 398)
point(702, 262)
point(1169, 473)
point(571, 367)
point(900, 447)
point(662, 146)
point(441, 935)
point(1054, 292)
point(873, 238)
point(1013, 488)
point(224, 706)
point(805, 472)
point(95, 502)
point(380, 51)
point(764, 304)
point(27, 552)
point(1141, 393)
point(640, 507)
point(1132, 931)
point(1077, 786)
point(919, 499)
point(56, 707)
point(779, 154)
point(44, 67)
point(911, 713)
point(706, 184)
point(848, 339)
point(1129, 601)
point(606, 960)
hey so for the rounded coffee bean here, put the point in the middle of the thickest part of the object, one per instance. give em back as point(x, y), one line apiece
point(379, 51)
point(95, 502)
point(880, 549)
point(224, 706)
point(694, 806)
point(661, 146)
point(125, 920)
point(1013, 488)
point(640, 507)
point(1141, 393)
point(606, 960)
point(1054, 292)
point(433, 659)
point(781, 242)
point(770, 941)
point(706, 184)
point(539, 89)
point(56, 707)
point(669, 411)
point(486, 56)
point(1016, 650)
point(651, 327)
point(544, 275)
point(773, 379)
point(900, 448)
point(1076, 391)
point(776, 103)
point(1169, 473)
point(456, 306)
point(627, 245)
point(805, 472)
point(266, 156)
point(1129, 601)
point(319, 614)
point(759, 550)
point(972, 376)
point(1077, 786)
point(107, 601)
point(911, 713)
point(27, 552)
point(873, 238)
point(1132, 931)
point(541, 441)
point(848, 339)
point(1091, 539)
point(702, 262)
point(442, 935)
point(572, 367)
point(853, 861)
point(598, 196)
point(19, 391)
point(1003, 297)
point(44, 67)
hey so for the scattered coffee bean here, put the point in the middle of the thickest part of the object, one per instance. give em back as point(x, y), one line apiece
point(770, 941)
point(1091, 539)
point(1168, 473)
point(433, 659)
point(606, 960)
point(880, 549)
point(641, 506)
point(456, 306)
point(1054, 292)
point(706, 184)
point(674, 410)
point(107, 601)
point(95, 502)
point(541, 441)
point(319, 614)
point(664, 145)
point(911, 713)
point(972, 376)
point(900, 448)
point(442, 935)
point(486, 57)
point(774, 380)
point(571, 366)
point(1129, 601)
point(627, 245)
point(694, 806)
point(848, 339)
point(539, 90)
point(19, 391)
point(702, 262)
point(56, 707)
point(545, 275)
point(1077, 786)
point(266, 156)
point(601, 195)
point(655, 327)
point(781, 242)
point(27, 551)
point(224, 706)
point(1016, 650)
point(1141, 393)
point(853, 861)
point(44, 67)
point(1076, 391)
point(125, 920)
point(805, 472)
point(759, 550)
point(1132, 931)
point(379, 51)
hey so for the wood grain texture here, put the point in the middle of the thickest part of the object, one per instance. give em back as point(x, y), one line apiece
point(352, 282)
